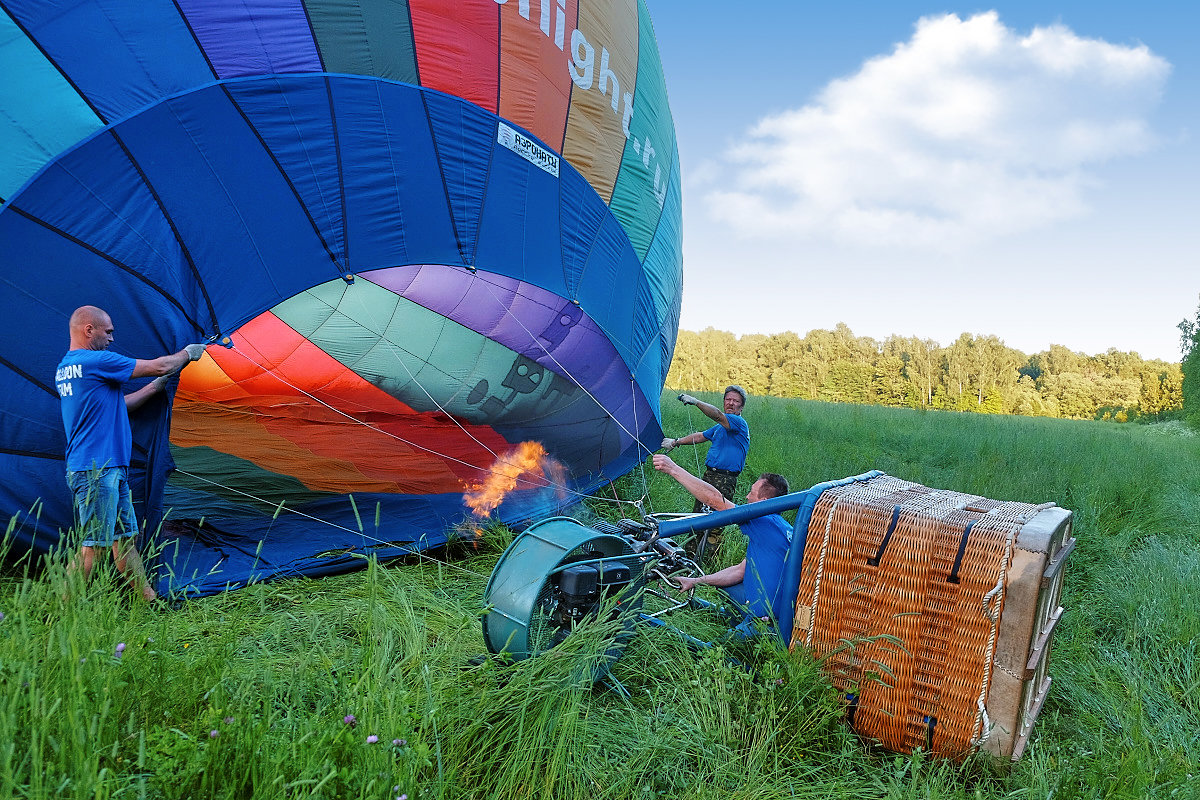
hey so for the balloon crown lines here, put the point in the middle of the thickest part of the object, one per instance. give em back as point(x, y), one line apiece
point(582, 67)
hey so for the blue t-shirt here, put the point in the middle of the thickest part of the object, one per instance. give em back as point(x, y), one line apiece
point(93, 408)
point(769, 540)
point(729, 447)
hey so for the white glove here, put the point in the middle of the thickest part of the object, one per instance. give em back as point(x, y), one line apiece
point(668, 444)
point(688, 400)
point(194, 351)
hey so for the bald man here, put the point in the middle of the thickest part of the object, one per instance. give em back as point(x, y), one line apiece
point(99, 440)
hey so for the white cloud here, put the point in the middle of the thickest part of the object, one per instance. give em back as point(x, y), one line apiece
point(965, 132)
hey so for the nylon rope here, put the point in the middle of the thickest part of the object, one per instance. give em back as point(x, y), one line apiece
point(812, 624)
point(533, 339)
point(394, 349)
point(544, 482)
point(691, 412)
point(641, 461)
point(857, 492)
point(365, 536)
point(982, 728)
point(507, 311)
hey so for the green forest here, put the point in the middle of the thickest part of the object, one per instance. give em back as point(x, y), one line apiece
point(975, 373)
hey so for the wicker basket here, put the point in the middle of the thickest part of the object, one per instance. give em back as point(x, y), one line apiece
point(933, 612)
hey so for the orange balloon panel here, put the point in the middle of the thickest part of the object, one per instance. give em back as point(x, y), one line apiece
point(535, 84)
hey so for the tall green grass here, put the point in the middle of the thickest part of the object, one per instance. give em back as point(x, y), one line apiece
point(248, 694)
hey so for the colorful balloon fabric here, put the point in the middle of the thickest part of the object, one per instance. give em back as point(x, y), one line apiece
point(416, 235)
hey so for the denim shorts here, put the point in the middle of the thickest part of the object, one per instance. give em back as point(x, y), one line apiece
point(103, 505)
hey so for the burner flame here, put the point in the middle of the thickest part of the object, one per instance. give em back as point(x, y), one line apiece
point(526, 466)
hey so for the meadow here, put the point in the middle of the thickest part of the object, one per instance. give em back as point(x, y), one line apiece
point(367, 684)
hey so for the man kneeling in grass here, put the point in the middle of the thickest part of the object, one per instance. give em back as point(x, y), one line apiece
point(754, 582)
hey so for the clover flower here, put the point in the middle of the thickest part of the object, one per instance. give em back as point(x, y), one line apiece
point(372, 739)
point(214, 733)
point(350, 720)
point(120, 650)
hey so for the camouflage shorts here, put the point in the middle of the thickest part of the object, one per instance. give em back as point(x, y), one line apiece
point(725, 482)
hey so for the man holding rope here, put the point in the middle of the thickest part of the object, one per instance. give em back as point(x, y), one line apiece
point(726, 457)
point(99, 439)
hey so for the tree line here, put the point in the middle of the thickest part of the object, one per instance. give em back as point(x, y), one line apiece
point(974, 373)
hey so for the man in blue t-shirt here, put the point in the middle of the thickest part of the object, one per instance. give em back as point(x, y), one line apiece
point(726, 457)
point(754, 582)
point(99, 442)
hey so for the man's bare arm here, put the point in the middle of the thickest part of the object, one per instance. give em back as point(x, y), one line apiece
point(708, 409)
point(704, 492)
point(730, 576)
point(135, 400)
point(167, 365)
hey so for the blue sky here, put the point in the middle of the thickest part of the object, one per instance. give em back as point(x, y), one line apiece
point(1027, 170)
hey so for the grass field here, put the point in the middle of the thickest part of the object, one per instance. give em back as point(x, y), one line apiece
point(363, 685)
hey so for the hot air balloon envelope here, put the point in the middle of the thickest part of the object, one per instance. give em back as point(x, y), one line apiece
point(416, 235)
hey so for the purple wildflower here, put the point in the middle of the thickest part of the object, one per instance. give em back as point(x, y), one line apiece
point(214, 734)
point(372, 739)
point(399, 743)
point(350, 720)
point(229, 720)
point(120, 649)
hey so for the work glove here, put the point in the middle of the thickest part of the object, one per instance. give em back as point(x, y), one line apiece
point(668, 445)
point(688, 400)
point(194, 351)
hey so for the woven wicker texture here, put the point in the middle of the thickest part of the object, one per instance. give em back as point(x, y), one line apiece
point(901, 593)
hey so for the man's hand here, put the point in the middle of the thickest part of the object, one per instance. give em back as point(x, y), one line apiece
point(194, 351)
point(688, 400)
point(667, 445)
point(664, 463)
point(687, 584)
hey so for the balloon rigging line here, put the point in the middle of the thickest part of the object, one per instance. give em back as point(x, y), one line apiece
point(377, 429)
point(537, 484)
point(695, 450)
point(640, 462)
point(363, 534)
point(395, 350)
point(351, 417)
point(488, 286)
point(534, 339)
